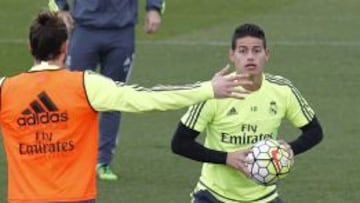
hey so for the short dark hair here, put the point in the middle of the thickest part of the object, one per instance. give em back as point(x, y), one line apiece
point(47, 33)
point(248, 30)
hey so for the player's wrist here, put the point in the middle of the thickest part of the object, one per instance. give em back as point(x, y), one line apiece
point(159, 8)
point(156, 9)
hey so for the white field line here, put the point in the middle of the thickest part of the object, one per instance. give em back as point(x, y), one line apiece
point(280, 43)
point(219, 43)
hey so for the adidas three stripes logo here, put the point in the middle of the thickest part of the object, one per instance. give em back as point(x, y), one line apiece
point(41, 111)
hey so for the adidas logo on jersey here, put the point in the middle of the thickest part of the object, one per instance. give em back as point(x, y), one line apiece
point(42, 111)
point(232, 111)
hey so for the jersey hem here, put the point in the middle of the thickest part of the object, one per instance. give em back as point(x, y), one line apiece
point(44, 200)
point(263, 199)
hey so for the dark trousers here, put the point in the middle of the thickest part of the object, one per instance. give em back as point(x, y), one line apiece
point(205, 196)
point(113, 51)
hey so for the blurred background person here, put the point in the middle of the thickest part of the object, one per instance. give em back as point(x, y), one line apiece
point(103, 35)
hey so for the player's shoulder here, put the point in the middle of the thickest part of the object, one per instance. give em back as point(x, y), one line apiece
point(95, 75)
point(95, 80)
point(90, 72)
point(278, 80)
point(1, 80)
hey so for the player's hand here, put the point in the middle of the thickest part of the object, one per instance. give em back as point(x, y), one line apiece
point(152, 21)
point(288, 148)
point(226, 85)
point(68, 20)
point(238, 160)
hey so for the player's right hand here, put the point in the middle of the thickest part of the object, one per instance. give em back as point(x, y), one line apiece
point(239, 161)
point(226, 85)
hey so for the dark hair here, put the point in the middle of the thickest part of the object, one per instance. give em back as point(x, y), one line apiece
point(47, 34)
point(248, 30)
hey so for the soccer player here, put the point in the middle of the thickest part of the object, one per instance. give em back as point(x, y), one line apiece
point(104, 36)
point(231, 126)
point(49, 117)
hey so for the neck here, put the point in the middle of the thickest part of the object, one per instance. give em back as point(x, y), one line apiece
point(257, 80)
point(51, 62)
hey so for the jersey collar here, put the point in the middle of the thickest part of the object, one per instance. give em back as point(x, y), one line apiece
point(44, 66)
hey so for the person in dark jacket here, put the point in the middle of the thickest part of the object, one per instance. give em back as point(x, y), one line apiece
point(103, 35)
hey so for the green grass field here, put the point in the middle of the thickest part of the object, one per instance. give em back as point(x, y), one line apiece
point(314, 43)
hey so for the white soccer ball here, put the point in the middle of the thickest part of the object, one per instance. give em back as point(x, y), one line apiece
point(269, 162)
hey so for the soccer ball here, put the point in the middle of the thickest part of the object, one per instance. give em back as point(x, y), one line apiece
point(269, 161)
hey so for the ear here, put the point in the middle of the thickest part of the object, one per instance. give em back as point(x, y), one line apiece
point(64, 47)
point(267, 54)
point(231, 55)
point(29, 46)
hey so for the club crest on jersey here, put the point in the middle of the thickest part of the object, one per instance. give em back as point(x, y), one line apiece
point(273, 109)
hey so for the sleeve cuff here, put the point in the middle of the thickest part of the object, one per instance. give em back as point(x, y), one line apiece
point(159, 8)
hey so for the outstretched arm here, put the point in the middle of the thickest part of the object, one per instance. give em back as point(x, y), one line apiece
point(105, 94)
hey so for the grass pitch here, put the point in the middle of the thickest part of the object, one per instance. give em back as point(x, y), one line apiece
point(313, 43)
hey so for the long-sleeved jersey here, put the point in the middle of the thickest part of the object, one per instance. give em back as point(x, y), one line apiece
point(48, 117)
point(232, 124)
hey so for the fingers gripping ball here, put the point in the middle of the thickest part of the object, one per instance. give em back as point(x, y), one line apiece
point(269, 161)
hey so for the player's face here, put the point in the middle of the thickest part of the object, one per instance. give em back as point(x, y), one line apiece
point(249, 55)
